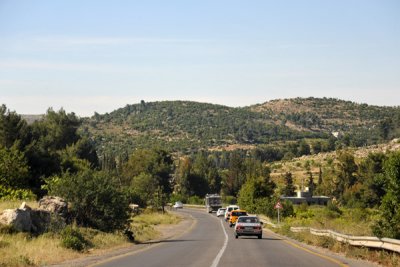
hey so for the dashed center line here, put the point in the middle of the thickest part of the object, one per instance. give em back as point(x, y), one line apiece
point(221, 252)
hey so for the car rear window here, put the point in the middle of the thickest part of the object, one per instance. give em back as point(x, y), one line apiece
point(239, 213)
point(248, 220)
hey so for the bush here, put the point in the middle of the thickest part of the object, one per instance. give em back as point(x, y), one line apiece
point(95, 199)
point(177, 197)
point(288, 210)
point(195, 200)
point(334, 208)
point(231, 200)
point(7, 193)
point(72, 238)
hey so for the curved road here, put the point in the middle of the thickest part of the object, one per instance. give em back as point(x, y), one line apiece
point(210, 243)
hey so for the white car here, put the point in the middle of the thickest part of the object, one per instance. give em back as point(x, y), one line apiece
point(178, 205)
point(248, 226)
point(228, 211)
point(221, 212)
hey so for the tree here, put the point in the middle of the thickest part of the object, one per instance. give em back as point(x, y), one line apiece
point(371, 174)
point(303, 149)
point(95, 199)
point(385, 127)
point(234, 177)
point(388, 224)
point(257, 190)
point(12, 128)
point(347, 169)
point(49, 136)
point(311, 184)
point(14, 170)
point(56, 130)
point(289, 189)
point(156, 163)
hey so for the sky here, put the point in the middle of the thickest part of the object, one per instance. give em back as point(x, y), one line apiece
point(97, 56)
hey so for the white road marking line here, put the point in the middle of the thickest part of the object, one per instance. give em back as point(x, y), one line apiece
point(221, 252)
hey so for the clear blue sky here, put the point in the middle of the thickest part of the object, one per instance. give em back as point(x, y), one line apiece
point(88, 56)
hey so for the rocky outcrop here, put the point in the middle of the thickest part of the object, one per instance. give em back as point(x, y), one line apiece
point(20, 219)
point(55, 205)
point(51, 214)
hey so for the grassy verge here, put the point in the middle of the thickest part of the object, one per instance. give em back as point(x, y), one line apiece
point(382, 257)
point(24, 249)
point(347, 221)
point(144, 224)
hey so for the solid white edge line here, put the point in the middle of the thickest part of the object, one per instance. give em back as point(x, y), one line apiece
point(221, 252)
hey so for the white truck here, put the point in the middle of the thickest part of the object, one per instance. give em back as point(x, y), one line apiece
point(213, 202)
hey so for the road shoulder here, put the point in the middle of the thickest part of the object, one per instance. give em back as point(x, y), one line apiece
point(167, 232)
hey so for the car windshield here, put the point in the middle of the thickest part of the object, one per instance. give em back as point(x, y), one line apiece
point(248, 220)
point(239, 213)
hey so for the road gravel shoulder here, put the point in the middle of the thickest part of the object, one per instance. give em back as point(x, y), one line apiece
point(166, 231)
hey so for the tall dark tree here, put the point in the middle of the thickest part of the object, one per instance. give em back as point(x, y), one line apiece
point(385, 127)
point(347, 169)
point(289, 189)
point(12, 128)
point(234, 177)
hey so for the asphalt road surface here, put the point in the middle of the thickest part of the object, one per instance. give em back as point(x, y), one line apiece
point(210, 243)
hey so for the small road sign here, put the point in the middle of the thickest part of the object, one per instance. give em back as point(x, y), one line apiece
point(278, 205)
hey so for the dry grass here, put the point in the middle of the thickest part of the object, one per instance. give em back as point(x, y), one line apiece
point(144, 225)
point(13, 204)
point(24, 249)
point(382, 257)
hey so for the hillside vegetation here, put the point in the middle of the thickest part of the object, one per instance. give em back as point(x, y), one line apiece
point(183, 126)
point(152, 154)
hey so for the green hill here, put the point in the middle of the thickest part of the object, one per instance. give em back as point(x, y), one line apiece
point(184, 126)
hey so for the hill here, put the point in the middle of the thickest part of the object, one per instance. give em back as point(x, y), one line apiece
point(358, 124)
point(184, 126)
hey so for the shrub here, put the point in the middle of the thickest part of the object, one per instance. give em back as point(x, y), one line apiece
point(177, 197)
point(95, 199)
point(195, 200)
point(288, 209)
point(72, 238)
point(334, 208)
point(7, 193)
point(231, 200)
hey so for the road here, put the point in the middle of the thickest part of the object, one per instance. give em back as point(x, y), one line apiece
point(210, 242)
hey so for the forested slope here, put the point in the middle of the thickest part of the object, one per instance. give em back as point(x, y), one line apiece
point(184, 126)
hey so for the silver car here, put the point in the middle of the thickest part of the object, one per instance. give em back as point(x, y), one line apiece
point(178, 205)
point(221, 212)
point(248, 226)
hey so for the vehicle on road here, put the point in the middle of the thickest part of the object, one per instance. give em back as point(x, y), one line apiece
point(213, 202)
point(178, 205)
point(235, 214)
point(248, 226)
point(221, 212)
point(228, 211)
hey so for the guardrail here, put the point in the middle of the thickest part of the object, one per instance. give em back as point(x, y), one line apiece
point(360, 241)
